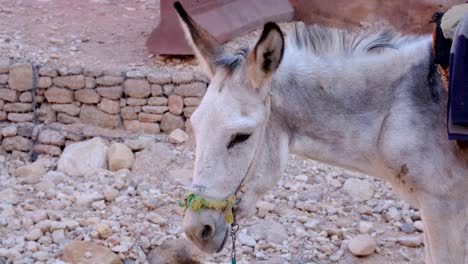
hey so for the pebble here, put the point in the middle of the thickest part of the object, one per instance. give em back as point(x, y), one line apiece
point(156, 219)
point(34, 234)
point(407, 228)
point(58, 236)
point(410, 241)
point(393, 214)
point(365, 227)
point(419, 226)
point(362, 245)
point(103, 230)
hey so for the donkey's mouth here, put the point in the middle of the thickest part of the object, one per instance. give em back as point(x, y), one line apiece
point(224, 241)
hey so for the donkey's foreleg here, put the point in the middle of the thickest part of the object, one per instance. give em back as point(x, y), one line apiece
point(445, 228)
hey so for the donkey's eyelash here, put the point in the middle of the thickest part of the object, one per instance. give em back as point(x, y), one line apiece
point(237, 139)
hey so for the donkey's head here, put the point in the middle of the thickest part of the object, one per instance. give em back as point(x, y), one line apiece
point(230, 128)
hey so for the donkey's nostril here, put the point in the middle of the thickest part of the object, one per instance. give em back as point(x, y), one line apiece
point(207, 232)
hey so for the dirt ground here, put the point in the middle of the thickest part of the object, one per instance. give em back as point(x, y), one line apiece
point(98, 34)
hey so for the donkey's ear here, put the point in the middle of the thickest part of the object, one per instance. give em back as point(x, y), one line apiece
point(266, 56)
point(205, 46)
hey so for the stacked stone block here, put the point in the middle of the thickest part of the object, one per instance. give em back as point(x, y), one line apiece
point(139, 102)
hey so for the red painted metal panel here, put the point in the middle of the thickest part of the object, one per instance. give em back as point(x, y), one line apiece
point(224, 19)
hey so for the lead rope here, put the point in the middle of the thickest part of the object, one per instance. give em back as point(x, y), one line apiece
point(234, 229)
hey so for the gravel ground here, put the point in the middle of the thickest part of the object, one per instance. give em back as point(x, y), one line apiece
point(309, 217)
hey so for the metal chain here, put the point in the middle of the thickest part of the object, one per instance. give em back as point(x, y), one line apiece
point(234, 229)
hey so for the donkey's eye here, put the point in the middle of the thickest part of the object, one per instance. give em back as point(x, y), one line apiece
point(237, 138)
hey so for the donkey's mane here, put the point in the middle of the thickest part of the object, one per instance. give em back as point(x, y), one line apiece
point(325, 41)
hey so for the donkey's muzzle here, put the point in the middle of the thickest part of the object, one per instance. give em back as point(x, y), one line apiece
point(207, 229)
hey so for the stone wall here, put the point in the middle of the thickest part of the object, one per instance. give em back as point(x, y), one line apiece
point(136, 101)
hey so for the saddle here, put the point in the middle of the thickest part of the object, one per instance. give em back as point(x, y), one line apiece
point(450, 53)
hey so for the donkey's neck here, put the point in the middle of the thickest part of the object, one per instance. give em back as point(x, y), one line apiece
point(334, 108)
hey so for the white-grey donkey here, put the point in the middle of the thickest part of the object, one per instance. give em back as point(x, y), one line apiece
point(372, 102)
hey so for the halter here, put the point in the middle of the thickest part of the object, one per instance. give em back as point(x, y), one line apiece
point(197, 202)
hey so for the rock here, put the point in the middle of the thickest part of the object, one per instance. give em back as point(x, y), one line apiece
point(69, 109)
point(59, 95)
point(359, 189)
point(9, 131)
point(410, 241)
point(156, 219)
point(16, 143)
point(192, 101)
point(178, 136)
point(128, 113)
point(159, 101)
point(138, 144)
point(170, 122)
point(58, 236)
point(87, 96)
point(91, 115)
point(419, 226)
point(155, 109)
point(136, 102)
point(120, 157)
point(73, 82)
point(362, 245)
point(103, 230)
point(44, 82)
point(182, 77)
point(25, 97)
point(137, 88)
point(85, 252)
point(247, 240)
point(47, 71)
point(66, 119)
point(8, 95)
point(51, 137)
point(135, 74)
point(393, 214)
point(159, 77)
point(174, 251)
point(34, 234)
point(110, 193)
point(268, 230)
point(150, 118)
point(90, 83)
point(156, 90)
point(113, 92)
point(109, 106)
point(20, 118)
point(21, 77)
point(47, 149)
point(3, 116)
point(188, 111)
point(17, 107)
point(9, 196)
point(175, 104)
point(195, 89)
point(168, 89)
point(108, 80)
point(80, 158)
point(407, 228)
point(136, 126)
point(365, 227)
point(33, 170)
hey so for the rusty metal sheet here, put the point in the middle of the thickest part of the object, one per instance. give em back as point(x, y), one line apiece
point(224, 19)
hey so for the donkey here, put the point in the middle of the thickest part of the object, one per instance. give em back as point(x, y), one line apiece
point(372, 102)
